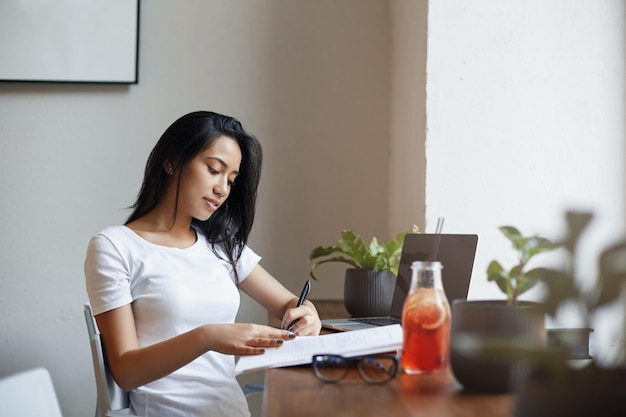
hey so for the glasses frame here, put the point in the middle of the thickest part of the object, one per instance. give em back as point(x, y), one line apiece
point(357, 361)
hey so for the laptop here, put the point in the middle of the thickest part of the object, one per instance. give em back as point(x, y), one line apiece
point(456, 253)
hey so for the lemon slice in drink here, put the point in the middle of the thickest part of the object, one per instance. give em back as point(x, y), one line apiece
point(430, 314)
point(426, 309)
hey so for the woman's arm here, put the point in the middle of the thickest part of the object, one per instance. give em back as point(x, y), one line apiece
point(281, 302)
point(133, 366)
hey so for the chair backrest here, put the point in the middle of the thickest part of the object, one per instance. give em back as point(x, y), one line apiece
point(29, 394)
point(112, 400)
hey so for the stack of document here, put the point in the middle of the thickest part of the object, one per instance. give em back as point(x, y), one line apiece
point(300, 350)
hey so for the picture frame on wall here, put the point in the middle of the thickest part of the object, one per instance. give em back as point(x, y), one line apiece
point(69, 41)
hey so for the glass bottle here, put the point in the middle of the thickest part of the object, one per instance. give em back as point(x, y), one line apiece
point(426, 321)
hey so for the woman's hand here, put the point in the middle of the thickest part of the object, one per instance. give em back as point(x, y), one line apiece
point(245, 338)
point(307, 321)
point(281, 303)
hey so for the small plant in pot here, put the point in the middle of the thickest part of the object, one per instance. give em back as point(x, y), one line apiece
point(477, 325)
point(369, 283)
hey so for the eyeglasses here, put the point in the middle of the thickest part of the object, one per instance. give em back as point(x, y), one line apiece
point(375, 369)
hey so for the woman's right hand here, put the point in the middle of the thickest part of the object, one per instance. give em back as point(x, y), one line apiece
point(133, 366)
point(245, 338)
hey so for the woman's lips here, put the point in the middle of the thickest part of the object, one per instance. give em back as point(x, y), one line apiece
point(212, 204)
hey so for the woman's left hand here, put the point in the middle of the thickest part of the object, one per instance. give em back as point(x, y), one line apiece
point(307, 321)
point(278, 300)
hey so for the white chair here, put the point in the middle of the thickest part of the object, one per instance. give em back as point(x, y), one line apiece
point(29, 394)
point(252, 388)
point(112, 401)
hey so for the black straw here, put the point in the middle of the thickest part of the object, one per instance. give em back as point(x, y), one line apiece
point(433, 253)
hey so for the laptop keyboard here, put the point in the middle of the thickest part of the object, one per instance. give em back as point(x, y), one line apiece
point(376, 321)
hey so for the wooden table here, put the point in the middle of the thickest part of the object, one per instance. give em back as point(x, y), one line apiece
point(296, 392)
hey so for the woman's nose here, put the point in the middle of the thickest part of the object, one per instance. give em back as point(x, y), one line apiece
point(221, 187)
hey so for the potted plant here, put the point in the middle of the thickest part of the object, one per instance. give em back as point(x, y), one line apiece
point(480, 323)
point(370, 282)
point(555, 388)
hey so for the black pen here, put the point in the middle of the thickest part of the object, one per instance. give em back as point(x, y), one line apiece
point(303, 296)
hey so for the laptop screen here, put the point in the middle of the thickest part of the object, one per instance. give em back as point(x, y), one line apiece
point(456, 254)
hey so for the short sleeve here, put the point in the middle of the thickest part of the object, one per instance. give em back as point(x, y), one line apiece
point(248, 260)
point(107, 276)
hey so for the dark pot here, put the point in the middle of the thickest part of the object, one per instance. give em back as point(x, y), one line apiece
point(368, 292)
point(488, 343)
point(574, 340)
point(565, 392)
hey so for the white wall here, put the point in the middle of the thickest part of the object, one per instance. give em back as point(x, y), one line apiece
point(310, 79)
point(526, 104)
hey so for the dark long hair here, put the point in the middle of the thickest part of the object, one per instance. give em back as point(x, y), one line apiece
point(230, 226)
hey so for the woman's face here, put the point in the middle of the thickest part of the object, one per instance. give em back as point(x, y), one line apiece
point(207, 180)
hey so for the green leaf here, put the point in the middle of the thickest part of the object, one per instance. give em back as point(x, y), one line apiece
point(323, 251)
point(496, 273)
point(357, 249)
point(391, 251)
point(536, 245)
point(494, 270)
point(524, 283)
point(374, 248)
point(514, 236)
point(334, 259)
point(516, 271)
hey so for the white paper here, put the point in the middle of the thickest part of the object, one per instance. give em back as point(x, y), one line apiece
point(300, 350)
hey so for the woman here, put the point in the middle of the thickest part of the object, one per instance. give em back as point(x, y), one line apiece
point(164, 286)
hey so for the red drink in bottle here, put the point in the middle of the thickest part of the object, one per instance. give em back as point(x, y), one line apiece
point(426, 322)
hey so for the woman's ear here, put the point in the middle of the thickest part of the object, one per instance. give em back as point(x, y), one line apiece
point(169, 167)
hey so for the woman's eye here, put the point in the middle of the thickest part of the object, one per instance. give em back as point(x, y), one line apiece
point(212, 171)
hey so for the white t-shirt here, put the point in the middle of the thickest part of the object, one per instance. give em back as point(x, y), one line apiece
point(172, 291)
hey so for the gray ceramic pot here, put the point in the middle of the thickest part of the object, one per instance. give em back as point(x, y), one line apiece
point(566, 392)
point(489, 341)
point(368, 292)
point(574, 340)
